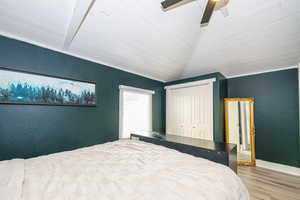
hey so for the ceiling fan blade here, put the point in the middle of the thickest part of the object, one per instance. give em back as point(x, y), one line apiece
point(168, 3)
point(208, 11)
point(224, 12)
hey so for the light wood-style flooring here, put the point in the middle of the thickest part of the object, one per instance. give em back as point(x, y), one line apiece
point(269, 185)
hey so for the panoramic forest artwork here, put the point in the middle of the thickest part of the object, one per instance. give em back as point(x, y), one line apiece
point(25, 88)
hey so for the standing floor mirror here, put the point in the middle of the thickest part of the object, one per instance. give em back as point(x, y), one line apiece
point(240, 129)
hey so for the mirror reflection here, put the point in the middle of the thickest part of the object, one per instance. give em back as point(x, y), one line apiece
point(240, 128)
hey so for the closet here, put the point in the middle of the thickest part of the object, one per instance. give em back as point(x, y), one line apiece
point(190, 109)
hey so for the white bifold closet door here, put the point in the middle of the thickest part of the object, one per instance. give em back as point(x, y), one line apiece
point(190, 111)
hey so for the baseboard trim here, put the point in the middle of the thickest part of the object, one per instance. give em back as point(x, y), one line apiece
point(278, 167)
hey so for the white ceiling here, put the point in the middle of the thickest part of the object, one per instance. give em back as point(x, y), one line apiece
point(137, 36)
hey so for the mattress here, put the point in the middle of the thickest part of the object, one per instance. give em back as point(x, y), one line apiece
point(121, 170)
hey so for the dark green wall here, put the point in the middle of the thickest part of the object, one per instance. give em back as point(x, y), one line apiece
point(276, 113)
point(28, 131)
point(220, 92)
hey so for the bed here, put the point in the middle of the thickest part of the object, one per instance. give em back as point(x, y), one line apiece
point(125, 169)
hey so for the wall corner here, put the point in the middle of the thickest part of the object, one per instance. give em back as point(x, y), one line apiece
point(299, 114)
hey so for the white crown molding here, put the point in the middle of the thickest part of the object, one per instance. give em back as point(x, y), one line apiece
point(191, 84)
point(8, 35)
point(278, 167)
point(125, 87)
point(261, 72)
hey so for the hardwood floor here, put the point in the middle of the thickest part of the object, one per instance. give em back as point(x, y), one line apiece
point(269, 185)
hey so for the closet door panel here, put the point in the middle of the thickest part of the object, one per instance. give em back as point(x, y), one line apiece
point(189, 112)
point(187, 116)
point(179, 107)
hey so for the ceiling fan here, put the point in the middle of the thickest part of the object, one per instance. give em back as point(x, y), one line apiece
point(209, 9)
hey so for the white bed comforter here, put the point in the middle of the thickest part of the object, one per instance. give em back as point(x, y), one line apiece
point(122, 170)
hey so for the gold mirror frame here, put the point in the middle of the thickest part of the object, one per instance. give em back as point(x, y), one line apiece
point(252, 128)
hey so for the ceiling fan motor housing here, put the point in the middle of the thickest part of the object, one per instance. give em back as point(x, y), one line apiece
point(220, 4)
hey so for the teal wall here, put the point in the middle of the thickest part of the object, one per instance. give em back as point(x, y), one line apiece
point(220, 92)
point(276, 112)
point(28, 131)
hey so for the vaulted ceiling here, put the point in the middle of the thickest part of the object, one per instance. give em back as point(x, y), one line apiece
point(138, 36)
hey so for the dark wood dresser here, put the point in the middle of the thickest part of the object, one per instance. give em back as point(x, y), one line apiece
point(222, 153)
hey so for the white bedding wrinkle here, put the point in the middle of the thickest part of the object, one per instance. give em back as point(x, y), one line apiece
point(127, 170)
point(11, 179)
